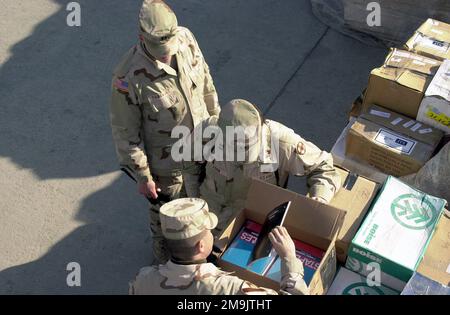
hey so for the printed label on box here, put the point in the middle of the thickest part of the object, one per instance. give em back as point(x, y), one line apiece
point(434, 44)
point(395, 141)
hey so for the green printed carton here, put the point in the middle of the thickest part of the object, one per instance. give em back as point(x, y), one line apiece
point(350, 283)
point(395, 233)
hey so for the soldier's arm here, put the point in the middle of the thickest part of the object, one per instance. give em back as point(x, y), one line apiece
point(209, 91)
point(232, 285)
point(304, 158)
point(322, 178)
point(126, 124)
point(210, 94)
point(292, 274)
point(292, 271)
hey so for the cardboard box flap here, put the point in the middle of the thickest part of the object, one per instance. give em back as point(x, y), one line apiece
point(440, 85)
point(323, 277)
point(356, 193)
point(414, 80)
point(404, 77)
point(406, 60)
point(436, 30)
point(229, 233)
point(402, 124)
point(311, 217)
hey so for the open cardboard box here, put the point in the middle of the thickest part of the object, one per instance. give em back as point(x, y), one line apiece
point(307, 220)
point(355, 197)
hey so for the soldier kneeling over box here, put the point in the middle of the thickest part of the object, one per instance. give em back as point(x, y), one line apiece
point(186, 225)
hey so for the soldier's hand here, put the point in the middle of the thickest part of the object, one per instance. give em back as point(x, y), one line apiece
point(149, 189)
point(282, 242)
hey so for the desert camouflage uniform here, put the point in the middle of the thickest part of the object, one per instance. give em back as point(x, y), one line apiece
point(185, 218)
point(150, 98)
point(226, 184)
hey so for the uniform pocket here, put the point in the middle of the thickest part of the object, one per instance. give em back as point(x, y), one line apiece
point(164, 100)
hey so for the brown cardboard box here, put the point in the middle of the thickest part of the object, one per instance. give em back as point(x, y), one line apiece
point(401, 82)
point(436, 261)
point(402, 124)
point(351, 164)
point(307, 220)
point(432, 39)
point(391, 142)
point(355, 197)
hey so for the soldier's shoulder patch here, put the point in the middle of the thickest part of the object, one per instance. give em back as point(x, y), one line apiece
point(300, 149)
point(121, 85)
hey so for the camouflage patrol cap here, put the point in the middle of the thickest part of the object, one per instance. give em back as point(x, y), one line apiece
point(158, 26)
point(239, 112)
point(185, 218)
point(242, 113)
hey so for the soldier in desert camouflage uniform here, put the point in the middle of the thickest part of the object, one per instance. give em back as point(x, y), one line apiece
point(187, 225)
point(162, 82)
point(226, 184)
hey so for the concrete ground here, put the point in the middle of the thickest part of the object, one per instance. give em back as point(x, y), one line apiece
point(62, 198)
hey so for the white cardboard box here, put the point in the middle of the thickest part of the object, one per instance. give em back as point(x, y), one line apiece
point(395, 232)
point(435, 107)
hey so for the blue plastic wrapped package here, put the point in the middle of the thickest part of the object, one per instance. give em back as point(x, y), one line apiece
point(421, 285)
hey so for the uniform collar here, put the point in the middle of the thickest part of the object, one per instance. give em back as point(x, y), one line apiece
point(189, 262)
point(183, 275)
point(158, 66)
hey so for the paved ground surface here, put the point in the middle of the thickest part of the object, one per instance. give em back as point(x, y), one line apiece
point(61, 196)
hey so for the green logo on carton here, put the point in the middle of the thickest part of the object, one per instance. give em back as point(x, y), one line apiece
point(413, 212)
point(362, 288)
point(354, 264)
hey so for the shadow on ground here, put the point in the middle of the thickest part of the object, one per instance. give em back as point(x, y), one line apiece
point(54, 116)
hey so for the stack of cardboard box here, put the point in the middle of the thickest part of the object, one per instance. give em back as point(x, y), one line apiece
point(405, 110)
point(394, 129)
point(402, 119)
